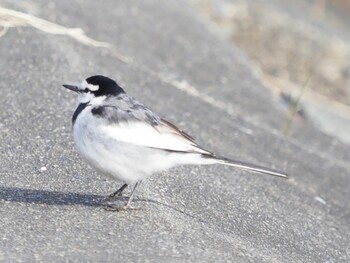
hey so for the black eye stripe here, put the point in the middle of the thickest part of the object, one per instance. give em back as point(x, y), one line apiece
point(86, 90)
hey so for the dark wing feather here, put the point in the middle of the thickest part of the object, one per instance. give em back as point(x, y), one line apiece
point(177, 130)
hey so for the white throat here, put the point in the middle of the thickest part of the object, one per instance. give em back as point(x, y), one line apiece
point(85, 97)
point(91, 99)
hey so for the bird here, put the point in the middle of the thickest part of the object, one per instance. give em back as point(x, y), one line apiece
point(124, 140)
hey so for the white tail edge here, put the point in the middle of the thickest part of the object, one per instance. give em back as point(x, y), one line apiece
point(250, 167)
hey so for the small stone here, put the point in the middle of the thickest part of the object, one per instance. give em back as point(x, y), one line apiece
point(321, 200)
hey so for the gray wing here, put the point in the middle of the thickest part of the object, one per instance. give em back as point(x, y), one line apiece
point(127, 110)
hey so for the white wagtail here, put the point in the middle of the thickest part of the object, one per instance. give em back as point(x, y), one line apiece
point(123, 139)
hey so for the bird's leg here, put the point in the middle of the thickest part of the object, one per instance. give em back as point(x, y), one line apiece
point(131, 196)
point(127, 206)
point(119, 191)
point(113, 197)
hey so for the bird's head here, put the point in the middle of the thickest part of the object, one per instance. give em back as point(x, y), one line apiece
point(95, 86)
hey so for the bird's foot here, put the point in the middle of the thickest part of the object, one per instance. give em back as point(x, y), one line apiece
point(115, 201)
point(112, 198)
point(117, 207)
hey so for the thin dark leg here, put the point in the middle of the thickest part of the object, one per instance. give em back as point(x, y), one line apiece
point(113, 197)
point(117, 207)
point(119, 191)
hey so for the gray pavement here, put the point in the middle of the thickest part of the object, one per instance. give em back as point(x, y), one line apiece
point(50, 200)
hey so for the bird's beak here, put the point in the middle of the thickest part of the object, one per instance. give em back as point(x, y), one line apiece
point(71, 87)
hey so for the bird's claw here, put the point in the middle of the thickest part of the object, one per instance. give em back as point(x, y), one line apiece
point(113, 198)
point(119, 208)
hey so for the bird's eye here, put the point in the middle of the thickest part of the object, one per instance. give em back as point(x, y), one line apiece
point(86, 90)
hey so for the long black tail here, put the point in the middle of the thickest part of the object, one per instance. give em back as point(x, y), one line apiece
point(250, 167)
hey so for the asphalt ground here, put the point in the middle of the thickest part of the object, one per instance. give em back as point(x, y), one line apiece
point(175, 63)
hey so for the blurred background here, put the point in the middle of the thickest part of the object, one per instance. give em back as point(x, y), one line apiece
point(300, 50)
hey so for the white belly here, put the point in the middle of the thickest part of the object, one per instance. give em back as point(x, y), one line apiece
point(119, 160)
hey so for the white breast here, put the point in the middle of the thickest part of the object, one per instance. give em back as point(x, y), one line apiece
point(121, 160)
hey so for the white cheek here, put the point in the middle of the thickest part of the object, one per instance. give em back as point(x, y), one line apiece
point(85, 97)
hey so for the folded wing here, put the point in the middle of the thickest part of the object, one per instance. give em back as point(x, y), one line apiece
point(144, 128)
